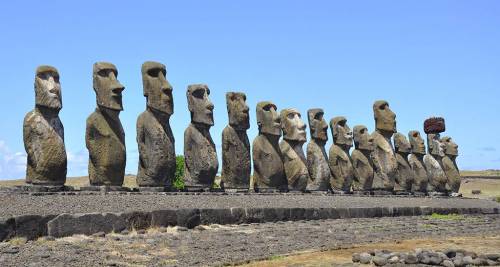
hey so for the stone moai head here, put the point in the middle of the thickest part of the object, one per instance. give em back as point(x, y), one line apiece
point(268, 119)
point(317, 124)
point(385, 119)
point(294, 129)
point(106, 86)
point(48, 88)
point(342, 134)
point(450, 147)
point(199, 104)
point(434, 145)
point(157, 89)
point(362, 138)
point(237, 109)
point(401, 144)
point(416, 142)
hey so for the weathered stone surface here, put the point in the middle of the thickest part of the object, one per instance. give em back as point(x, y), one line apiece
point(104, 136)
point(384, 159)
point(433, 164)
point(339, 158)
point(294, 160)
point(43, 132)
point(200, 156)
point(450, 167)
point(268, 172)
point(7, 228)
point(154, 136)
point(405, 178)
point(31, 226)
point(236, 162)
point(416, 161)
point(87, 224)
point(362, 159)
point(317, 159)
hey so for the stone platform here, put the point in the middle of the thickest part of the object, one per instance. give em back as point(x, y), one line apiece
point(58, 215)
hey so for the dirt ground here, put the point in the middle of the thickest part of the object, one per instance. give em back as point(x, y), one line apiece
point(343, 256)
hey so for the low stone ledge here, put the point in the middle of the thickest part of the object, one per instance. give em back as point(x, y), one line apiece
point(34, 226)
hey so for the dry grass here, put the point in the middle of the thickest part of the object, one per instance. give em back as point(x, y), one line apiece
point(480, 173)
point(74, 181)
point(490, 188)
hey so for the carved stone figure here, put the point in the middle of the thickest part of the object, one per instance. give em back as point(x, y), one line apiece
point(154, 135)
point(416, 161)
point(433, 164)
point(384, 160)
point(200, 157)
point(339, 159)
point(294, 159)
point(317, 159)
point(236, 162)
point(104, 135)
point(361, 159)
point(43, 132)
point(450, 164)
point(268, 170)
point(404, 176)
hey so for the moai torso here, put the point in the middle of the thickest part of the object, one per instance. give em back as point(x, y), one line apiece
point(156, 150)
point(236, 161)
point(384, 160)
point(104, 135)
point(43, 132)
point(268, 170)
point(200, 157)
point(450, 165)
point(236, 165)
point(361, 159)
point(416, 161)
point(155, 140)
point(317, 165)
point(432, 161)
point(105, 140)
point(44, 143)
point(317, 159)
point(341, 168)
point(404, 176)
point(201, 163)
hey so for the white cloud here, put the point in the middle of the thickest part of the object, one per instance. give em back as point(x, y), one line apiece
point(12, 164)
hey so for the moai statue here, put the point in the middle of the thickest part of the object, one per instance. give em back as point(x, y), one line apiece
point(43, 132)
point(433, 159)
point(236, 168)
point(450, 164)
point(384, 159)
point(200, 157)
point(404, 176)
point(294, 159)
point(104, 136)
point(416, 161)
point(268, 170)
point(361, 159)
point(154, 135)
point(317, 159)
point(339, 159)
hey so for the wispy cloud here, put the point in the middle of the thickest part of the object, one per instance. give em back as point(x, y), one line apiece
point(12, 164)
point(488, 149)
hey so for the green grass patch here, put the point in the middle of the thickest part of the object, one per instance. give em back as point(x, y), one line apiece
point(497, 199)
point(276, 257)
point(452, 217)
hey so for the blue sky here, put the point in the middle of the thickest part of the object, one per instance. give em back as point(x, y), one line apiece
point(425, 57)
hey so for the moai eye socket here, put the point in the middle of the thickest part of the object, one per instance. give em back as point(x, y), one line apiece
point(106, 72)
point(415, 135)
point(269, 107)
point(362, 131)
point(199, 93)
point(154, 72)
point(291, 116)
point(318, 116)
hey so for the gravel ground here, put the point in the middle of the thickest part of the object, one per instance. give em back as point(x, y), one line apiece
point(19, 204)
point(218, 245)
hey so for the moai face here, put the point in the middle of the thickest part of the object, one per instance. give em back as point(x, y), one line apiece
point(362, 138)
point(436, 148)
point(199, 104)
point(385, 119)
point(294, 129)
point(401, 145)
point(342, 134)
point(108, 89)
point(317, 124)
point(48, 88)
point(157, 89)
point(450, 148)
point(238, 110)
point(268, 118)
point(416, 142)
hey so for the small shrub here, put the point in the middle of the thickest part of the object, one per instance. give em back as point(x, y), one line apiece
point(454, 217)
point(179, 173)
